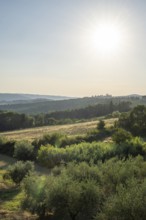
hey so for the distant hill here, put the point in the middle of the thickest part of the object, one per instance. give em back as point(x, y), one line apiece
point(35, 106)
point(14, 98)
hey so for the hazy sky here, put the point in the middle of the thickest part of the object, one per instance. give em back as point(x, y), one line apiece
point(49, 47)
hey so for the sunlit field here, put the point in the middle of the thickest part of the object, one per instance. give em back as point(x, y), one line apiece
point(72, 129)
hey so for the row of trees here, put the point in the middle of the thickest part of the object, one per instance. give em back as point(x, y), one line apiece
point(92, 111)
point(13, 120)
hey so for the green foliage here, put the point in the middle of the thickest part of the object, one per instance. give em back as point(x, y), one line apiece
point(52, 139)
point(121, 136)
point(82, 171)
point(115, 189)
point(115, 172)
point(3, 140)
point(61, 141)
point(98, 135)
point(128, 202)
point(73, 199)
point(92, 111)
point(116, 114)
point(35, 190)
point(125, 146)
point(135, 121)
point(18, 171)
point(24, 150)
point(6, 146)
point(101, 125)
point(13, 120)
point(135, 146)
point(67, 141)
point(64, 195)
point(50, 156)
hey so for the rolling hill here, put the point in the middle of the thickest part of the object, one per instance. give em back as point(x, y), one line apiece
point(15, 98)
point(36, 106)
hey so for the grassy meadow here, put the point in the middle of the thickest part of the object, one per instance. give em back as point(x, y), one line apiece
point(70, 129)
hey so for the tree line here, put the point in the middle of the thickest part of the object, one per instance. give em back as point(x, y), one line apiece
point(14, 120)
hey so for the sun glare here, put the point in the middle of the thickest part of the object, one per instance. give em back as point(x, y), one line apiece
point(107, 38)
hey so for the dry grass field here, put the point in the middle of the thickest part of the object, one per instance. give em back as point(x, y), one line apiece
point(71, 129)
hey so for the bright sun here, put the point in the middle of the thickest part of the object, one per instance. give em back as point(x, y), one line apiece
point(107, 38)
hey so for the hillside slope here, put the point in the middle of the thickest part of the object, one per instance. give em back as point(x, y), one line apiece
point(61, 105)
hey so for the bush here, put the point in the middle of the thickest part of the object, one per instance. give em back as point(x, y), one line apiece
point(67, 141)
point(52, 139)
point(113, 190)
point(116, 114)
point(6, 146)
point(35, 195)
point(63, 196)
point(24, 150)
point(135, 121)
point(134, 147)
point(121, 136)
point(128, 203)
point(116, 172)
point(50, 156)
point(98, 135)
point(101, 125)
point(18, 171)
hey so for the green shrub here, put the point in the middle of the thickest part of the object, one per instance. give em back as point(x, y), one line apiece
point(127, 204)
point(67, 141)
point(63, 196)
point(116, 172)
point(98, 135)
point(135, 121)
point(6, 146)
point(101, 125)
point(116, 114)
point(19, 170)
point(24, 150)
point(50, 156)
point(52, 139)
point(121, 136)
point(134, 147)
point(83, 171)
point(3, 140)
point(115, 189)
point(35, 195)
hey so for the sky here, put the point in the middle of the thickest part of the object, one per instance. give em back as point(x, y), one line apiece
point(52, 47)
